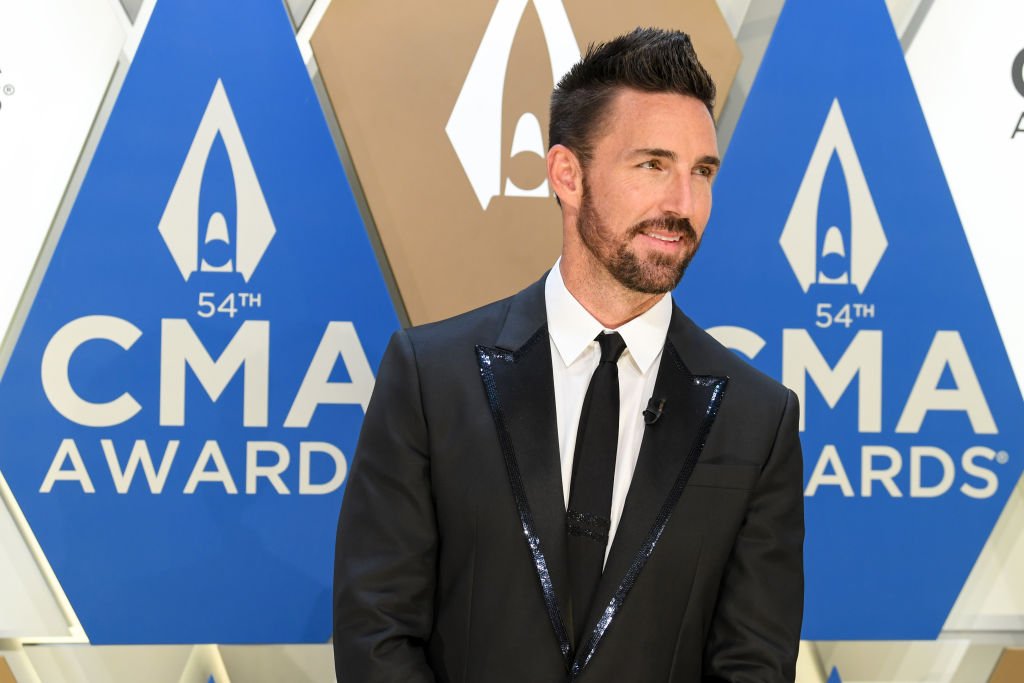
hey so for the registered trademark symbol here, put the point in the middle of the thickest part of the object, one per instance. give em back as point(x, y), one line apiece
point(8, 89)
point(1002, 457)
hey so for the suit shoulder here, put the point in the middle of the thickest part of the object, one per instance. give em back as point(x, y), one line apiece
point(479, 325)
point(709, 356)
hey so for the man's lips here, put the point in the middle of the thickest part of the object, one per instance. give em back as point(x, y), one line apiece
point(666, 233)
point(663, 236)
point(666, 243)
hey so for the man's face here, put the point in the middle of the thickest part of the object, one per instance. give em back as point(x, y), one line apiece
point(647, 188)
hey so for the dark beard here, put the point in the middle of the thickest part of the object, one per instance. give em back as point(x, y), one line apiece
point(659, 273)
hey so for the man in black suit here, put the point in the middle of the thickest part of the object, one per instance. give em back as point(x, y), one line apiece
point(577, 483)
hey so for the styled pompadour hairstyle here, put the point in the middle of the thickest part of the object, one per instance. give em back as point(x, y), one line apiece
point(645, 59)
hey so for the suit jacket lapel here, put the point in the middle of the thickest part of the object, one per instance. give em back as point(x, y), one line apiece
point(517, 378)
point(669, 451)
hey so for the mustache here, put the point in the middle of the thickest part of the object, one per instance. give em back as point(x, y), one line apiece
point(670, 224)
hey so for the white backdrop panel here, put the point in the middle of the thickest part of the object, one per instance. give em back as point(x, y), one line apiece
point(56, 59)
point(58, 56)
point(960, 62)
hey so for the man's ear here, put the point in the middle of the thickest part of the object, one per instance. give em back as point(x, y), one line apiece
point(565, 175)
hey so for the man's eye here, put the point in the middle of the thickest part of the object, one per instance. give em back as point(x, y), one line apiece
point(705, 171)
point(651, 163)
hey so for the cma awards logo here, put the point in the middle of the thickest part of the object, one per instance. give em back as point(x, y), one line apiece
point(218, 132)
point(1017, 77)
point(475, 125)
point(834, 192)
point(834, 188)
point(852, 254)
point(217, 182)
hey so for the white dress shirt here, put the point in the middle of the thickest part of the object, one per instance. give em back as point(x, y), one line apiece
point(574, 357)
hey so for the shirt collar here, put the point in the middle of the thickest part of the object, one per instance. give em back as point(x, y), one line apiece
point(572, 328)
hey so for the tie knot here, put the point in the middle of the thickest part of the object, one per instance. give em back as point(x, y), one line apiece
point(612, 346)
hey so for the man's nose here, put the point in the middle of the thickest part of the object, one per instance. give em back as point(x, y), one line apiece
point(679, 197)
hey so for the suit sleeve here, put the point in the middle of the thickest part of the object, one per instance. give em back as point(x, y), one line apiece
point(755, 631)
point(386, 552)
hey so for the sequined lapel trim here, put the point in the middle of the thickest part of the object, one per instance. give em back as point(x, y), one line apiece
point(487, 358)
point(717, 385)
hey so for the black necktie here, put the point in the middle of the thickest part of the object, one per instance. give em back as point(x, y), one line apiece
point(588, 518)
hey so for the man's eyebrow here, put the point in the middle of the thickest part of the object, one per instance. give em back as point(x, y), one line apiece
point(655, 152)
point(710, 160)
point(707, 159)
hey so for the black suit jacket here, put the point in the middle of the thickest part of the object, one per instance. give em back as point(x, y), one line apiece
point(451, 548)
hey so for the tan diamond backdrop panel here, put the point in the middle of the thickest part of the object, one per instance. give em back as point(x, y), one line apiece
point(394, 75)
point(1010, 668)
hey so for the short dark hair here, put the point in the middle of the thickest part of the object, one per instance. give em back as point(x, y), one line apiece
point(646, 59)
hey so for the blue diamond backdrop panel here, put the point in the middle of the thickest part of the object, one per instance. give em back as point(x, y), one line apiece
point(179, 410)
point(835, 241)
